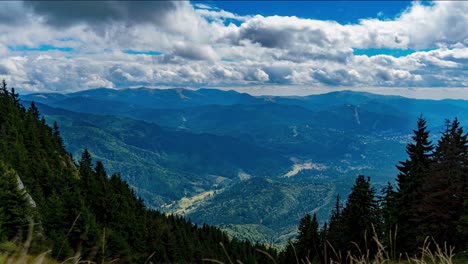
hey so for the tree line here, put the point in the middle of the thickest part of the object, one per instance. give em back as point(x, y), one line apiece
point(80, 210)
point(429, 204)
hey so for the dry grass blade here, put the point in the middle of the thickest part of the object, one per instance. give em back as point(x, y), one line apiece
point(213, 261)
point(266, 254)
point(225, 252)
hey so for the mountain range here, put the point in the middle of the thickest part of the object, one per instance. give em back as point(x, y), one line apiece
point(251, 165)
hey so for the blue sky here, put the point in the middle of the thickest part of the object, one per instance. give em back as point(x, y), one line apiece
point(263, 47)
point(42, 47)
point(344, 12)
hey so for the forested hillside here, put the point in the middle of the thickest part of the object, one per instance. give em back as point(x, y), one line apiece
point(428, 208)
point(78, 210)
point(193, 152)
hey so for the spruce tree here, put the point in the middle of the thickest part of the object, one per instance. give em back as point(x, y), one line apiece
point(442, 206)
point(86, 171)
point(308, 240)
point(360, 217)
point(388, 218)
point(462, 226)
point(335, 228)
point(15, 211)
point(56, 133)
point(33, 111)
point(412, 174)
point(15, 97)
point(3, 88)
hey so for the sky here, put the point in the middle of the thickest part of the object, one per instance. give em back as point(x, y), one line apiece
point(417, 49)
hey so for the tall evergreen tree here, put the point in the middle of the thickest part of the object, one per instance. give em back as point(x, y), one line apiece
point(442, 206)
point(15, 210)
point(15, 97)
point(360, 217)
point(56, 132)
point(308, 245)
point(388, 212)
point(3, 88)
point(412, 174)
point(86, 171)
point(462, 226)
point(33, 111)
point(335, 236)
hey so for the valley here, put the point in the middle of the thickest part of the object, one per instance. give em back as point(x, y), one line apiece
point(250, 165)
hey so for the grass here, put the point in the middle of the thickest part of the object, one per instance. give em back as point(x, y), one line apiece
point(430, 253)
point(11, 254)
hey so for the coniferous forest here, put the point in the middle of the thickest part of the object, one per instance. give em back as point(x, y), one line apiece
point(427, 209)
point(79, 210)
point(50, 202)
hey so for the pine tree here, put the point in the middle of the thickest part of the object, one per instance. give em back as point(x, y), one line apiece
point(324, 243)
point(15, 210)
point(335, 236)
point(442, 206)
point(412, 174)
point(33, 111)
point(462, 226)
point(3, 88)
point(308, 240)
point(15, 97)
point(388, 214)
point(86, 171)
point(360, 217)
point(56, 133)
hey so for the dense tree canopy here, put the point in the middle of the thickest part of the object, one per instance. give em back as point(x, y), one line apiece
point(431, 201)
point(82, 210)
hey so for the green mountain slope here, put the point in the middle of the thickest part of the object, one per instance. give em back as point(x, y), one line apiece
point(82, 214)
point(164, 165)
point(268, 204)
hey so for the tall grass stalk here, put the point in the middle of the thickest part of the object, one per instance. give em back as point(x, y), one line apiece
point(429, 253)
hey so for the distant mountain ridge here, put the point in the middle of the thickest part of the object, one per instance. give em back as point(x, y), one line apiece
point(104, 100)
point(151, 98)
point(193, 152)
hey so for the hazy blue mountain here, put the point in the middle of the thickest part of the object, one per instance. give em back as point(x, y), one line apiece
point(217, 117)
point(142, 104)
point(213, 155)
point(146, 98)
point(163, 163)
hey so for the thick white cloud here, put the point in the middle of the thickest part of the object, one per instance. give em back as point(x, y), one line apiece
point(441, 24)
point(201, 46)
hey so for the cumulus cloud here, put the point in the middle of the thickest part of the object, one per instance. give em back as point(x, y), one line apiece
point(194, 51)
point(198, 45)
point(336, 77)
point(3, 70)
point(420, 26)
point(96, 13)
point(12, 12)
point(257, 75)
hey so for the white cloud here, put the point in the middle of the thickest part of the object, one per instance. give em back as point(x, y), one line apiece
point(201, 47)
point(257, 75)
